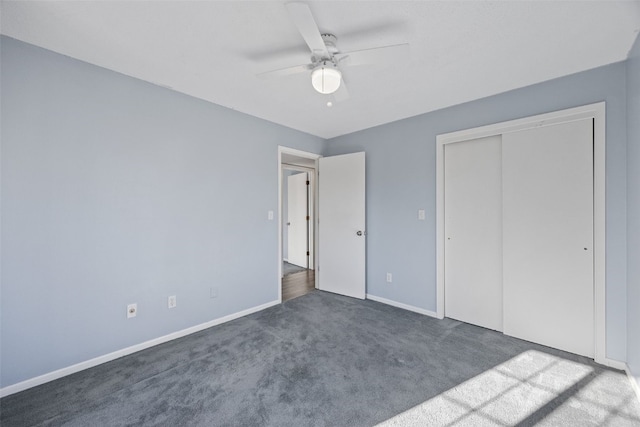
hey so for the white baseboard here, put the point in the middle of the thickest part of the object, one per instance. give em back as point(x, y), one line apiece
point(615, 364)
point(45, 378)
point(402, 305)
point(634, 383)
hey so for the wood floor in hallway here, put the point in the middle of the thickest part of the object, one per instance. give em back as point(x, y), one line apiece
point(297, 284)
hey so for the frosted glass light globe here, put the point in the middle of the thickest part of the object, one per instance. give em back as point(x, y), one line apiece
point(326, 78)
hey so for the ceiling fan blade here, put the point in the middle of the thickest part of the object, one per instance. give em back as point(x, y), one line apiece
point(285, 71)
point(342, 94)
point(385, 54)
point(306, 24)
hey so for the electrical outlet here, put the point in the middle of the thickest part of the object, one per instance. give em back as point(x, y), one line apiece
point(213, 293)
point(270, 215)
point(421, 214)
point(171, 302)
point(389, 278)
point(132, 310)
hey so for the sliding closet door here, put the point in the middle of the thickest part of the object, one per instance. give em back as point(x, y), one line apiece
point(547, 176)
point(473, 232)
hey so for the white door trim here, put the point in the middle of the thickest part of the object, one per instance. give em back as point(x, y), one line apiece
point(314, 172)
point(595, 111)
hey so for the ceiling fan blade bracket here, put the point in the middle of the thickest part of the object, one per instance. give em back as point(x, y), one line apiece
point(342, 59)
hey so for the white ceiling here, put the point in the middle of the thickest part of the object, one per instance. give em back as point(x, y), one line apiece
point(460, 50)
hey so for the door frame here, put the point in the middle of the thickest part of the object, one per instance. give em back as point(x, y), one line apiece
point(596, 112)
point(313, 171)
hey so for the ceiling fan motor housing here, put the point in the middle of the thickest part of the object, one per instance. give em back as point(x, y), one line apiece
point(330, 42)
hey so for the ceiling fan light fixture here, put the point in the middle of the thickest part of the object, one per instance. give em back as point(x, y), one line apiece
point(326, 78)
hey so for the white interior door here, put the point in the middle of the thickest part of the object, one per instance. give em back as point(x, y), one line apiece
point(473, 232)
point(548, 235)
point(297, 204)
point(342, 225)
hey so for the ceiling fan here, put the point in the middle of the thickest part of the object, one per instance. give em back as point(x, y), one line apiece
point(326, 58)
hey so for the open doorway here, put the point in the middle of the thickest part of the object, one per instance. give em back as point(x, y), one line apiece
point(341, 202)
point(297, 215)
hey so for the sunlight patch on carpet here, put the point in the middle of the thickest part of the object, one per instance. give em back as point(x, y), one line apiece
point(533, 386)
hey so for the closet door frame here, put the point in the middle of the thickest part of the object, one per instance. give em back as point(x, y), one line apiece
point(597, 113)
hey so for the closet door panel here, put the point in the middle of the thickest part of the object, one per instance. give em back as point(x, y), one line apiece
point(473, 232)
point(548, 235)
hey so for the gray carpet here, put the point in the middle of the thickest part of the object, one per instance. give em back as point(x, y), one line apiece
point(290, 268)
point(326, 360)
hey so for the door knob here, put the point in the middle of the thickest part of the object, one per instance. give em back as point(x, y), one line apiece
point(359, 233)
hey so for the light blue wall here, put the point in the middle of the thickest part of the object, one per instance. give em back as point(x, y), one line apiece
point(117, 191)
point(401, 178)
point(633, 209)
